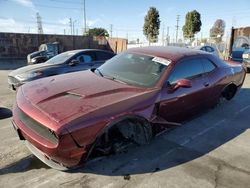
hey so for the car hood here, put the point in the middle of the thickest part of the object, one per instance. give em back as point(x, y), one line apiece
point(36, 53)
point(84, 95)
point(29, 69)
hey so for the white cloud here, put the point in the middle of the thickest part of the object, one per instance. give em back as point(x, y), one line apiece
point(91, 23)
point(64, 21)
point(26, 3)
point(10, 25)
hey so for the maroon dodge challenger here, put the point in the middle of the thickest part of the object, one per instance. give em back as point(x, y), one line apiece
point(67, 119)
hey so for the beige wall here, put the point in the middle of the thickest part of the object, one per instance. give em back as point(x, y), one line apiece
point(243, 31)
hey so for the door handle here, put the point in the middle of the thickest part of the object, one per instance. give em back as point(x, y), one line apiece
point(206, 84)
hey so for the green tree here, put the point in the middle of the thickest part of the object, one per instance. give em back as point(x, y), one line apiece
point(192, 24)
point(151, 25)
point(218, 30)
point(97, 32)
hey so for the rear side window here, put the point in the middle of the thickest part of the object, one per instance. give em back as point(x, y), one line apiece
point(188, 69)
point(103, 55)
point(208, 65)
point(84, 58)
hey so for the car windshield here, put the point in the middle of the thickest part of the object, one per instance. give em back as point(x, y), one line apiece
point(61, 58)
point(134, 69)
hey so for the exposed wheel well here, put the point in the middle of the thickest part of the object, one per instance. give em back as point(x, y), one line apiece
point(229, 91)
point(120, 134)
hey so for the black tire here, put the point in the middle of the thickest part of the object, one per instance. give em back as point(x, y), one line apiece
point(247, 70)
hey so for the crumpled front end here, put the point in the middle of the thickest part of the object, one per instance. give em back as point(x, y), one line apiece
point(48, 142)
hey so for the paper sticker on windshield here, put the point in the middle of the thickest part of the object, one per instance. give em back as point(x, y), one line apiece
point(161, 61)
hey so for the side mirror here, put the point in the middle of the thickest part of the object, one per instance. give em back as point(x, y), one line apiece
point(184, 83)
point(73, 62)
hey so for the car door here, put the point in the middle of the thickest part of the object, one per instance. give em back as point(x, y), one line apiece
point(213, 76)
point(84, 61)
point(182, 103)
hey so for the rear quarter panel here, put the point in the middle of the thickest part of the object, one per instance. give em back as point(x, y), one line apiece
point(225, 74)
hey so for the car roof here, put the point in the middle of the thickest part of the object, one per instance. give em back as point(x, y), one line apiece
point(85, 50)
point(168, 52)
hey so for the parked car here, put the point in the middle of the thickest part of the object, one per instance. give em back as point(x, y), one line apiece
point(66, 62)
point(68, 119)
point(208, 49)
point(246, 60)
point(44, 53)
point(240, 46)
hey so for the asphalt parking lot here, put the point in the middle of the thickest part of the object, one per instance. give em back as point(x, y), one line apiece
point(212, 150)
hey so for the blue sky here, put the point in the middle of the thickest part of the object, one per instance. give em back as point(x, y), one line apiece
point(126, 16)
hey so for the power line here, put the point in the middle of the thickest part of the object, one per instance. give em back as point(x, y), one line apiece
point(56, 7)
point(67, 2)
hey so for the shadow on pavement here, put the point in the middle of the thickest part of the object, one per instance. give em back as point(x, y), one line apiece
point(28, 163)
point(5, 113)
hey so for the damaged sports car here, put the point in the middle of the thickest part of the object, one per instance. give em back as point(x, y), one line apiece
point(68, 119)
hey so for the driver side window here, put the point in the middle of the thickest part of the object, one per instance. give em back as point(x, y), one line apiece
point(84, 58)
point(187, 69)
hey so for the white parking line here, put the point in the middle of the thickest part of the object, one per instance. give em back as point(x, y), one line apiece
point(243, 109)
point(212, 127)
point(202, 132)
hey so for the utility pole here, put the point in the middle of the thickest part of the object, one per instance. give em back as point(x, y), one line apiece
point(84, 17)
point(71, 25)
point(39, 24)
point(177, 27)
point(168, 37)
point(111, 30)
point(163, 33)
